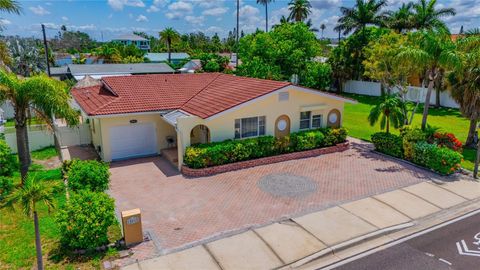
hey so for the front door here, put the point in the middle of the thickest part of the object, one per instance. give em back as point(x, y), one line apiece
point(282, 126)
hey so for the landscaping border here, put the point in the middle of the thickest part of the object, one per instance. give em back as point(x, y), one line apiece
point(189, 172)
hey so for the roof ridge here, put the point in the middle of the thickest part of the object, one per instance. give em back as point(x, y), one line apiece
point(201, 90)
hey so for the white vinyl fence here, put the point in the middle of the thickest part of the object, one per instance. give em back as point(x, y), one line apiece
point(413, 94)
point(40, 137)
point(8, 112)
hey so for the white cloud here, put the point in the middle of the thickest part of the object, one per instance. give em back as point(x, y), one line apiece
point(39, 10)
point(197, 20)
point(5, 22)
point(87, 27)
point(174, 15)
point(326, 4)
point(215, 11)
point(119, 4)
point(213, 30)
point(141, 18)
point(64, 18)
point(181, 6)
point(153, 8)
point(250, 18)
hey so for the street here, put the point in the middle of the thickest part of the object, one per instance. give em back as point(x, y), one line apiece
point(455, 246)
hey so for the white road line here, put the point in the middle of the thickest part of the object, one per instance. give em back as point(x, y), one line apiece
point(445, 261)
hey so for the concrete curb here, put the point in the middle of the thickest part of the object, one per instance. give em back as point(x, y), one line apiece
point(347, 244)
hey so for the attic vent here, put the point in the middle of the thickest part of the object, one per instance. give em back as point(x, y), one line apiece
point(283, 96)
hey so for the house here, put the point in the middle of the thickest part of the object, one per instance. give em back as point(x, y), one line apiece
point(79, 71)
point(163, 57)
point(134, 116)
point(191, 66)
point(128, 39)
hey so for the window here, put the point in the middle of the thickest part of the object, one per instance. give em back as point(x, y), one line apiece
point(308, 121)
point(249, 127)
point(305, 120)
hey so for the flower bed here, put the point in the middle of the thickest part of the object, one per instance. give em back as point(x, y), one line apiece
point(189, 172)
point(437, 151)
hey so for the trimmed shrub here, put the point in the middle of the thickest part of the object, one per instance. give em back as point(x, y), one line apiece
point(89, 174)
point(388, 144)
point(219, 153)
point(8, 163)
point(440, 159)
point(6, 186)
point(410, 137)
point(84, 220)
point(448, 140)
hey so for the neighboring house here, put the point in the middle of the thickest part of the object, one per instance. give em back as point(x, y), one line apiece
point(128, 39)
point(191, 66)
point(163, 57)
point(136, 116)
point(98, 71)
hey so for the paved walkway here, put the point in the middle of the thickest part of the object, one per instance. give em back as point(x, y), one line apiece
point(179, 212)
point(323, 232)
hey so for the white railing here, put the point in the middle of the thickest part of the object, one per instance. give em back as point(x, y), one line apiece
point(413, 93)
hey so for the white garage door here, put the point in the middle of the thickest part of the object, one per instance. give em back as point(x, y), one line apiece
point(133, 141)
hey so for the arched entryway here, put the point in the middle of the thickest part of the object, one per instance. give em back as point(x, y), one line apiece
point(199, 134)
point(334, 118)
point(282, 126)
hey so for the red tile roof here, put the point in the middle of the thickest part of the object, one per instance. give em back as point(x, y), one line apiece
point(203, 94)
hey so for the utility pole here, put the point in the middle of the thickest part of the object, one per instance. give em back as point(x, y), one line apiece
point(45, 45)
point(238, 27)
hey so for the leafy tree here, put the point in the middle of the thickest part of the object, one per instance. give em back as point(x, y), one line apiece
point(27, 197)
point(73, 42)
point(84, 220)
point(169, 36)
point(299, 10)
point(362, 14)
point(287, 49)
point(258, 68)
point(431, 51)
point(43, 95)
point(265, 3)
point(427, 16)
point(389, 111)
point(464, 82)
point(401, 20)
point(7, 160)
point(316, 75)
point(27, 56)
point(212, 62)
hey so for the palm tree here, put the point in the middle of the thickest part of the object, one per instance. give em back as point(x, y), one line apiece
point(45, 96)
point(365, 12)
point(432, 51)
point(464, 82)
point(299, 10)
point(426, 16)
point(402, 19)
point(169, 36)
point(265, 3)
point(322, 27)
point(10, 6)
point(389, 111)
point(28, 196)
point(309, 24)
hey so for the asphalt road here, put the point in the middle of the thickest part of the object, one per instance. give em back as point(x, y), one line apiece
point(437, 250)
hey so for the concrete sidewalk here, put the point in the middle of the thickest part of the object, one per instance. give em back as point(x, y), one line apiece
point(326, 234)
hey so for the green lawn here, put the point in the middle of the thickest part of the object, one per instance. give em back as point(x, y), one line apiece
point(17, 241)
point(449, 120)
point(45, 153)
point(33, 121)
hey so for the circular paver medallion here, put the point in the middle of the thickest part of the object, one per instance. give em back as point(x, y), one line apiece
point(287, 185)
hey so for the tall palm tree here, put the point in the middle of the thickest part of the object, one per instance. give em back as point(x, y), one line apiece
point(433, 51)
point(299, 10)
point(322, 27)
point(464, 83)
point(10, 6)
point(27, 197)
point(426, 16)
point(389, 112)
point(45, 96)
point(362, 14)
point(265, 3)
point(169, 36)
point(402, 19)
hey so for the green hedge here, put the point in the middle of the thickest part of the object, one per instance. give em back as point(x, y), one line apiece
point(388, 143)
point(87, 174)
point(8, 163)
point(229, 151)
point(440, 159)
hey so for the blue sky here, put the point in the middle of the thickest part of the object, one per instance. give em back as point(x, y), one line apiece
point(114, 17)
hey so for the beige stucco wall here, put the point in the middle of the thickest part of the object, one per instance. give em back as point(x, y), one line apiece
point(163, 130)
point(222, 126)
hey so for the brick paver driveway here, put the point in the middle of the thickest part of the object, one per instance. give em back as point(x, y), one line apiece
point(180, 212)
